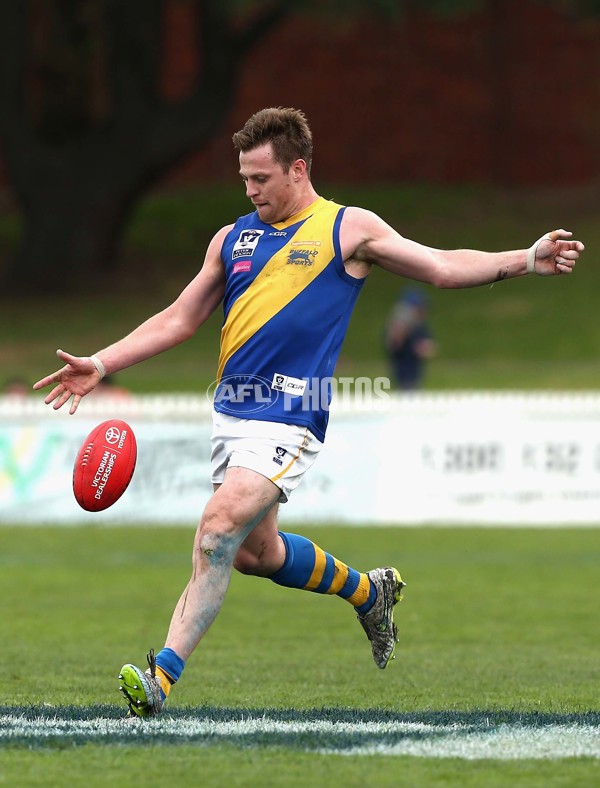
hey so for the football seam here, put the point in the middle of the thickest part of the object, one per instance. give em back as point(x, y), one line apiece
point(86, 454)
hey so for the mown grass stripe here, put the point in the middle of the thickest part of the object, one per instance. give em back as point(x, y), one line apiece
point(362, 737)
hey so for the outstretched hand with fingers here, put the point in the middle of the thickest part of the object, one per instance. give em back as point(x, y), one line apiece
point(76, 379)
point(554, 253)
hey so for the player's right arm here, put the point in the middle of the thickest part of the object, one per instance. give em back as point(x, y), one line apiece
point(173, 325)
point(367, 240)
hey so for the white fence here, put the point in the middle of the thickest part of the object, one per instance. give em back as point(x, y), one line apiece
point(467, 458)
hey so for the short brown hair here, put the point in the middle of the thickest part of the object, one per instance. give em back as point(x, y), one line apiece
point(285, 128)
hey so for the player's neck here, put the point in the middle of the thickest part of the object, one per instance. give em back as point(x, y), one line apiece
point(305, 199)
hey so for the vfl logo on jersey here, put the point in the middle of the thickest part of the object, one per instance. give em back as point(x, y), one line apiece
point(246, 243)
point(279, 455)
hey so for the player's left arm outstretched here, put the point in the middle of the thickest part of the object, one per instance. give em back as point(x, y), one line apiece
point(173, 325)
point(367, 240)
point(78, 376)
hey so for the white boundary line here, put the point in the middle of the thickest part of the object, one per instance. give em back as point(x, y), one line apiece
point(471, 742)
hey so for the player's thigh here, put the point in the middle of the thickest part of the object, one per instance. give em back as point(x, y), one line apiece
point(241, 501)
point(262, 552)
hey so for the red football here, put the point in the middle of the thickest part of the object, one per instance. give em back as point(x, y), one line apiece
point(104, 465)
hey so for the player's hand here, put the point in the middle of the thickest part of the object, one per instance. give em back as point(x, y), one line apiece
point(554, 253)
point(76, 379)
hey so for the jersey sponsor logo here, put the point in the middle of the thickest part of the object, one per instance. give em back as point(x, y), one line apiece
point(302, 256)
point(279, 234)
point(288, 385)
point(242, 265)
point(246, 243)
point(303, 252)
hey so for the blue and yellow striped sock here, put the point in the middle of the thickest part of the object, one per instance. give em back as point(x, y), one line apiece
point(308, 567)
point(169, 668)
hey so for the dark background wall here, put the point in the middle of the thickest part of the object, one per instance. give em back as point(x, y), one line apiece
point(508, 95)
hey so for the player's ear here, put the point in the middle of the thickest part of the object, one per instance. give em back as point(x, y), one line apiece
point(298, 169)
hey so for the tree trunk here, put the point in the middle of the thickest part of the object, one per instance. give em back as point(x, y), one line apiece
point(79, 160)
point(76, 201)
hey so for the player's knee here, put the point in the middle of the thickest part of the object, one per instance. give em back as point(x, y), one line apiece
point(216, 541)
point(217, 547)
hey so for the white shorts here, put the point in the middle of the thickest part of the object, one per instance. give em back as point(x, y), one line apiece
point(281, 452)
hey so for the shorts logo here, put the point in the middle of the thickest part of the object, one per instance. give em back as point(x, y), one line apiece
point(288, 385)
point(246, 243)
point(242, 265)
point(279, 455)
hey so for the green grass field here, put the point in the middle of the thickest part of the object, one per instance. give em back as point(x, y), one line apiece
point(499, 648)
point(532, 333)
point(497, 673)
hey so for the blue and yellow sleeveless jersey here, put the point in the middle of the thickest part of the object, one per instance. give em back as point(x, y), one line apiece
point(287, 303)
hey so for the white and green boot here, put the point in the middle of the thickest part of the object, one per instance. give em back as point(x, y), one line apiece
point(378, 623)
point(142, 690)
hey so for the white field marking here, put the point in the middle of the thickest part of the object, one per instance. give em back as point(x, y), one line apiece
point(459, 740)
point(506, 742)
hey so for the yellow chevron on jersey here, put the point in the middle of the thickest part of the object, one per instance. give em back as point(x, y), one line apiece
point(287, 303)
point(289, 271)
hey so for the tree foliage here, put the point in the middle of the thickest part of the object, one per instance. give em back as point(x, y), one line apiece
point(85, 125)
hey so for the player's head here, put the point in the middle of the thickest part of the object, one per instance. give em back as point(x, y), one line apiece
point(287, 131)
point(275, 148)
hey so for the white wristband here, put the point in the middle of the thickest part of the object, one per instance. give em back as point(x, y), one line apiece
point(532, 252)
point(99, 366)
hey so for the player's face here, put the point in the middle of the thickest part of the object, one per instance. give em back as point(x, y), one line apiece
point(273, 192)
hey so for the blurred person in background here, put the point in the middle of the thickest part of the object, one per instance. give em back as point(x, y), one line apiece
point(108, 387)
point(17, 387)
point(409, 341)
point(287, 276)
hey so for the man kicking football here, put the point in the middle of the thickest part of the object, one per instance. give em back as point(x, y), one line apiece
point(288, 275)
